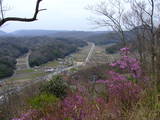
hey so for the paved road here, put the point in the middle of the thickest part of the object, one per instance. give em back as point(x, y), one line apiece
point(90, 53)
point(48, 77)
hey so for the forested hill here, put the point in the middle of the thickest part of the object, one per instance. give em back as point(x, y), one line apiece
point(43, 49)
point(58, 48)
point(8, 54)
point(55, 33)
point(98, 37)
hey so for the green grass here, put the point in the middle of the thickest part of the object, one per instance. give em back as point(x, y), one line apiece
point(35, 75)
point(25, 71)
point(43, 100)
point(31, 76)
point(20, 78)
point(51, 64)
point(74, 70)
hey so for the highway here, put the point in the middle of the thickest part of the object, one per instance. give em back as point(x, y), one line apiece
point(48, 77)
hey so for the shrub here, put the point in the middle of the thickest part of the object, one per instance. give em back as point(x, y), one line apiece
point(122, 87)
point(114, 48)
point(78, 107)
point(121, 90)
point(29, 115)
point(56, 86)
point(43, 100)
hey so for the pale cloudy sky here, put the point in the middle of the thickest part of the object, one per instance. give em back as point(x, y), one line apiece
point(60, 15)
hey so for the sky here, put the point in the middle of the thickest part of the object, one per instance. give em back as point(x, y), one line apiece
point(60, 15)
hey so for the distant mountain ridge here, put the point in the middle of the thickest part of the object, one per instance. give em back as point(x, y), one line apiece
point(54, 33)
point(98, 37)
point(32, 32)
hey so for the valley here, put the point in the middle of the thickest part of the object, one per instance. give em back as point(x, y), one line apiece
point(25, 76)
point(80, 60)
point(37, 59)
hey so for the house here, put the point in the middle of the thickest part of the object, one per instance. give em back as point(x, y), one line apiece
point(49, 70)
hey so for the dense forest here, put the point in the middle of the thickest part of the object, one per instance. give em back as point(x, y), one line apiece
point(56, 49)
point(43, 50)
point(111, 37)
point(8, 54)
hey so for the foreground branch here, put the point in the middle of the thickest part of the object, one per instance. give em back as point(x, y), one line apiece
point(34, 18)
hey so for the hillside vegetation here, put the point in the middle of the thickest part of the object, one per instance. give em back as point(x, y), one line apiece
point(8, 54)
point(116, 91)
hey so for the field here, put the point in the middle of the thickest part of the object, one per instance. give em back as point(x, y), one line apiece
point(82, 54)
point(100, 56)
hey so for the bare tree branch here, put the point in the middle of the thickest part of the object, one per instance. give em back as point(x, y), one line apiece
point(111, 16)
point(34, 18)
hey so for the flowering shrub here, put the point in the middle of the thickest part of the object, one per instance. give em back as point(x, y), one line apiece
point(73, 107)
point(121, 88)
point(30, 115)
point(77, 107)
point(129, 64)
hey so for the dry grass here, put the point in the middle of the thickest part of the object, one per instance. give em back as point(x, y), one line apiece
point(146, 109)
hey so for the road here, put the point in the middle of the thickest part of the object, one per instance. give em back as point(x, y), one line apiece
point(90, 53)
point(48, 77)
point(22, 63)
point(74, 66)
point(27, 60)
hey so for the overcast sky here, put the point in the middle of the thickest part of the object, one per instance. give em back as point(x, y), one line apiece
point(60, 15)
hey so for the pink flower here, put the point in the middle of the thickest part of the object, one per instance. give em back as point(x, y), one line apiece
point(100, 101)
point(113, 64)
point(28, 115)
